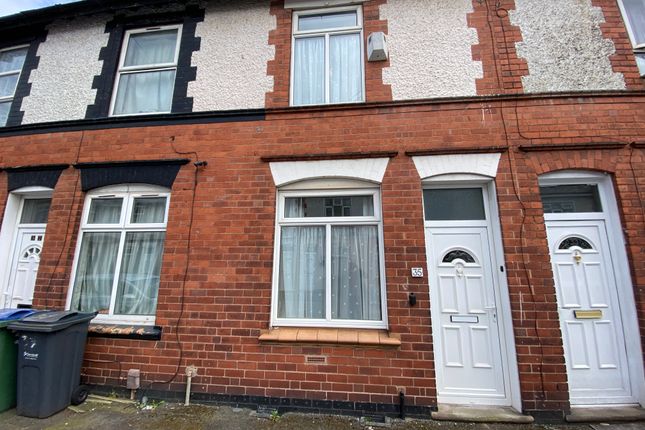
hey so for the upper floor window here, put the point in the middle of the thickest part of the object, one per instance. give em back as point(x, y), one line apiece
point(634, 14)
point(11, 61)
point(118, 261)
point(327, 60)
point(146, 76)
point(329, 259)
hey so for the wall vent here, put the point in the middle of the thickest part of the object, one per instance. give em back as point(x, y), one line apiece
point(316, 359)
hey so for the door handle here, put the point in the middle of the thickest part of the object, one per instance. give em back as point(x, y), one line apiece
point(493, 310)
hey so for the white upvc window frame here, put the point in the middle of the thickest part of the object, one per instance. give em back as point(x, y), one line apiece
point(123, 70)
point(128, 193)
point(9, 99)
point(326, 33)
point(328, 222)
point(639, 48)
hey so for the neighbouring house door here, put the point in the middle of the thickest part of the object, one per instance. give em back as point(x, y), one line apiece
point(590, 316)
point(466, 333)
point(25, 252)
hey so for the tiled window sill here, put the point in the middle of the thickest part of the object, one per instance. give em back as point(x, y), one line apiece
point(337, 336)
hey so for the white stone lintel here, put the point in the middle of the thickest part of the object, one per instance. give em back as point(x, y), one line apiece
point(365, 169)
point(474, 164)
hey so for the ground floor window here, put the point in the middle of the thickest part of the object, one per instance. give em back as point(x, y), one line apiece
point(329, 259)
point(118, 260)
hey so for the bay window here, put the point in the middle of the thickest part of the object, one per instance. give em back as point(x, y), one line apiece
point(147, 67)
point(327, 60)
point(118, 260)
point(329, 259)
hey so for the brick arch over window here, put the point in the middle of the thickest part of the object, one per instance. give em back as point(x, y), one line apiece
point(604, 160)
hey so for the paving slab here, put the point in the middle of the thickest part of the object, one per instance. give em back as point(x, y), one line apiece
point(169, 416)
point(606, 414)
point(478, 414)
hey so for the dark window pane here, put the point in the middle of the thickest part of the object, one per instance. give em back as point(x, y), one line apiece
point(328, 206)
point(453, 204)
point(35, 211)
point(570, 199)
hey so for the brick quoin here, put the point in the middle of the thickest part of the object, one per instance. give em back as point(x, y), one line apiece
point(226, 299)
point(503, 69)
point(622, 61)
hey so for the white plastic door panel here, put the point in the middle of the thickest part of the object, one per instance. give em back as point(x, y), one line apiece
point(468, 360)
point(590, 319)
point(24, 267)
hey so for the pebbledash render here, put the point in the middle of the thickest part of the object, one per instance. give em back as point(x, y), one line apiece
point(348, 206)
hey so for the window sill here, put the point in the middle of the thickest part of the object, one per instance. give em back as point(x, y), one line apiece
point(337, 336)
point(124, 331)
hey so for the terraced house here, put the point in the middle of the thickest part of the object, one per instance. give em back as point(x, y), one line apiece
point(335, 205)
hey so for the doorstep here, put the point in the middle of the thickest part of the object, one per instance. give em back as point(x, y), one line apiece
point(480, 414)
point(605, 414)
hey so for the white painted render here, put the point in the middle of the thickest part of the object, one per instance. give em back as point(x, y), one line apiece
point(61, 86)
point(430, 49)
point(473, 164)
point(232, 60)
point(564, 46)
point(366, 169)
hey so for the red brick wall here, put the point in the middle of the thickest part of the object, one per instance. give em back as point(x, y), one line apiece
point(227, 294)
point(503, 69)
point(614, 29)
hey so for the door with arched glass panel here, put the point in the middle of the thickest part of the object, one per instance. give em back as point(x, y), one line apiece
point(466, 333)
point(588, 306)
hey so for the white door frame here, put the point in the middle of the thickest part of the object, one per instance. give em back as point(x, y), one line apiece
point(618, 256)
point(9, 231)
point(500, 284)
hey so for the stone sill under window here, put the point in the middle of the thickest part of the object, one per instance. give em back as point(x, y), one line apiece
point(336, 336)
point(125, 331)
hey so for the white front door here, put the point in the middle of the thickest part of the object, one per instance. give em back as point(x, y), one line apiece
point(464, 317)
point(24, 268)
point(590, 316)
point(24, 256)
point(464, 304)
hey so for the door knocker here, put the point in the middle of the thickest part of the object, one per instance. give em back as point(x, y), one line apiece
point(577, 257)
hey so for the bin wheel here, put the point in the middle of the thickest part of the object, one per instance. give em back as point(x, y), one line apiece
point(80, 394)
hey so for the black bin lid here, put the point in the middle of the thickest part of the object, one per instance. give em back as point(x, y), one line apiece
point(48, 321)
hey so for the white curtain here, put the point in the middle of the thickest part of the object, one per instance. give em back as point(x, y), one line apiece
point(105, 211)
point(95, 272)
point(148, 210)
point(139, 278)
point(294, 207)
point(309, 71)
point(147, 91)
point(301, 287)
point(355, 275)
point(345, 68)
point(156, 47)
point(144, 92)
